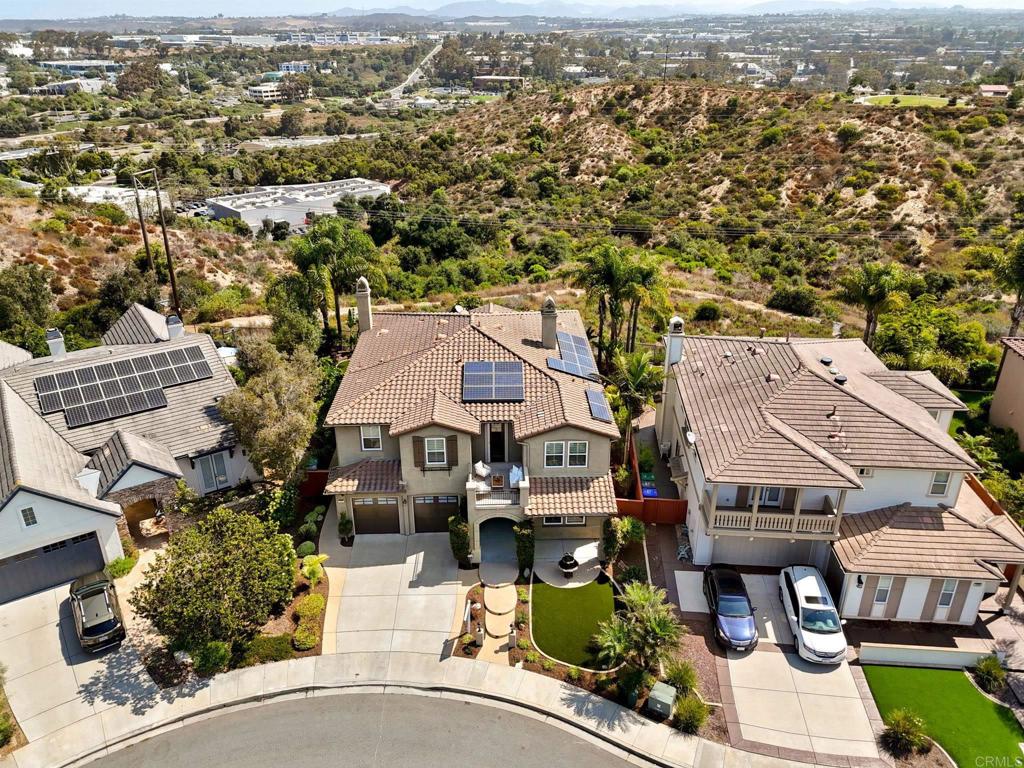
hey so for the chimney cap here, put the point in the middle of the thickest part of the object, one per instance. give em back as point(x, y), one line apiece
point(362, 285)
point(675, 325)
point(549, 304)
point(53, 334)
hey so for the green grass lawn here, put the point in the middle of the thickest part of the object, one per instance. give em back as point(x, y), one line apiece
point(906, 100)
point(967, 725)
point(970, 399)
point(564, 620)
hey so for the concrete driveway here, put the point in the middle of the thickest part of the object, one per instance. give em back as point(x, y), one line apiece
point(400, 594)
point(51, 682)
point(763, 591)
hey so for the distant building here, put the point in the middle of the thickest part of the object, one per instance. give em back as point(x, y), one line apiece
point(265, 93)
point(75, 85)
point(862, 90)
point(79, 67)
point(342, 38)
point(994, 91)
point(292, 202)
point(295, 67)
point(422, 103)
point(487, 82)
point(122, 197)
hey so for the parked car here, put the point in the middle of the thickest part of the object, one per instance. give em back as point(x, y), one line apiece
point(96, 611)
point(817, 628)
point(730, 607)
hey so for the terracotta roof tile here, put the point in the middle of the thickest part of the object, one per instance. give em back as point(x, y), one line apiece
point(1014, 344)
point(366, 476)
point(571, 496)
point(436, 408)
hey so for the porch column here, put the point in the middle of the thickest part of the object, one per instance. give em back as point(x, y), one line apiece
point(1014, 583)
point(797, 503)
point(753, 510)
point(714, 503)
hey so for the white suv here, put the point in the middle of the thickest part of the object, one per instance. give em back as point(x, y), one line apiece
point(812, 616)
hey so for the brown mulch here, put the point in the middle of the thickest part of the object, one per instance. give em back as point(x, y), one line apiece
point(700, 649)
point(286, 622)
point(933, 758)
point(474, 596)
point(164, 670)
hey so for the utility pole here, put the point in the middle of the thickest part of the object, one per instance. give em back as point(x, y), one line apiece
point(142, 222)
point(167, 244)
point(664, 71)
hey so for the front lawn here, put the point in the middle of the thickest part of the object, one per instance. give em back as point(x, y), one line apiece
point(967, 724)
point(564, 620)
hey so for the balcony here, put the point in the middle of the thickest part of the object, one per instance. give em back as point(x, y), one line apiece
point(497, 490)
point(793, 523)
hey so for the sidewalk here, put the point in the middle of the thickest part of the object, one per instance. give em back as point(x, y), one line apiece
point(600, 720)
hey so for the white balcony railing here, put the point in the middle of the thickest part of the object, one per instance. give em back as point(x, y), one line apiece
point(769, 520)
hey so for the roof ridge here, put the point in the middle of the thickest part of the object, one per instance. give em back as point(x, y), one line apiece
point(885, 515)
point(985, 525)
point(827, 458)
point(6, 390)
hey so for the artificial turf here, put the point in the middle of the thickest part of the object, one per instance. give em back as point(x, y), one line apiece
point(972, 728)
point(564, 620)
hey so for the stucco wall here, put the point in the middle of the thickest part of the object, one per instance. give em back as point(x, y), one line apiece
point(237, 468)
point(349, 446)
point(888, 487)
point(592, 529)
point(598, 453)
point(57, 520)
point(426, 482)
point(1008, 400)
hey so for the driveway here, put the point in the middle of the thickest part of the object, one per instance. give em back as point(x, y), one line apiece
point(51, 682)
point(400, 594)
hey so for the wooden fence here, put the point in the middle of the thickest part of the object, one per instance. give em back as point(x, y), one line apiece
point(660, 511)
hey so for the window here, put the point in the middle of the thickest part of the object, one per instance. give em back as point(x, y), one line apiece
point(28, 516)
point(934, 413)
point(213, 471)
point(575, 520)
point(865, 472)
point(946, 595)
point(882, 590)
point(370, 438)
point(578, 454)
point(555, 520)
point(769, 497)
point(554, 454)
point(436, 451)
point(940, 483)
point(369, 501)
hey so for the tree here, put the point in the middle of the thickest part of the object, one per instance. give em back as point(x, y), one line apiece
point(644, 633)
point(292, 122)
point(24, 297)
point(876, 288)
point(292, 301)
point(637, 380)
point(274, 412)
point(645, 289)
point(218, 580)
point(601, 272)
point(140, 76)
point(1009, 271)
point(122, 289)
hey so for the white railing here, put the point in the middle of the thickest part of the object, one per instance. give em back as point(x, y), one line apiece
point(770, 520)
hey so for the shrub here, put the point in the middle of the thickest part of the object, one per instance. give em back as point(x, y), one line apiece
point(532, 657)
point(800, 299)
point(458, 537)
point(310, 607)
point(212, 658)
point(690, 713)
point(305, 548)
point(6, 730)
point(316, 514)
point(307, 531)
point(129, 548)
point(467, 639)
point(990, 675)
point(111, 212)
point(344, 525)
point(547, 665)
point(523, 594)
point(313, 569)
point(645, 458)
point(681, 675)
point(525, 544)
point(770, 136)
point(572, 674)
point(263, 649)
point(305, 638)
point(522, 617)
point(904, 733)
point(280, 504)
point(847, 133)
point(121, 566)
point(707, 312)
point(523, 644)
point(632, 573)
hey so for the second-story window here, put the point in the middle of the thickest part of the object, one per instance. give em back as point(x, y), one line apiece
point(578, 453)
point(940, 484)
point(370, 438)
point(435, 451)
point(554, 454)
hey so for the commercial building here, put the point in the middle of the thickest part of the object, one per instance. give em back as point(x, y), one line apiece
point(265, 93)
point(295, 67)
point(78, 67)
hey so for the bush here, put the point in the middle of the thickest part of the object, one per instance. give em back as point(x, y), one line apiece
point(645, 458)
point(681, 675)
point(6, 730)
point(800, 299)
point(211, 658)
point(122, 566)
point(280, 504)
point(572, 674)
point(523, 594)
point(525, 544)
point(344, 525)
point(458, 537)
point(532, 657)
point(267, 648)
point(904, 733)
point(305, 548)
point(633, 573)
point(111, 212)
point(691, 713)
point(305, 638)
point(707, 312)
point(309, 608)
point(547, 665)
point(990, 675)
point(307, 531)
point(847, 133)
point(523, 644)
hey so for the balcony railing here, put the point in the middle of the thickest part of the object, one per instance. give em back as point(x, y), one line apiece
point(498, 498)
point(807, 523)
point(482, 492)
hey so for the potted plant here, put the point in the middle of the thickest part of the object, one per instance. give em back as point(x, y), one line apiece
point(344, 528)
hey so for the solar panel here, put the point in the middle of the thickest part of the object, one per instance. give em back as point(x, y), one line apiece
point(123, 387)
point(576, 359)
point(599, 408)
point(487, 381)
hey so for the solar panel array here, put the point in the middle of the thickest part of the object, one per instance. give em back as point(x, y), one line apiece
point(121, 387)
point(492, 381)
point(576, 357)
point(599, 407)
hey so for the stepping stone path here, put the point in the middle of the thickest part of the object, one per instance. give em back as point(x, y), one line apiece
point(499, 609)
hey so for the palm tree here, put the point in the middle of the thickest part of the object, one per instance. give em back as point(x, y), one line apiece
point(637, 380)
point(1010, 274)
point(601, 272)
point(876, 288)
point(644, 633)
point(645, 288)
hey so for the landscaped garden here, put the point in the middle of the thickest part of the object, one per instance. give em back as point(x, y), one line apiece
point(566, 620)
point(966, 723)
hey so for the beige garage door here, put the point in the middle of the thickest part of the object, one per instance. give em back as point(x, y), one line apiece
point(376, 514)
point(740, 550)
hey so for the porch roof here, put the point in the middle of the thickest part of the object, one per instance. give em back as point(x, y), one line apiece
point(366, 476)
point(571, 496)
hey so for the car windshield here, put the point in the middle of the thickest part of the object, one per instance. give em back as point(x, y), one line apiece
point(734, 606)
point(100, 629)
point(823, 621)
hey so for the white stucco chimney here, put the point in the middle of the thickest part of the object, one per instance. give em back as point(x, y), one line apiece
point(363, 307)
point(674, 342)
point(548, 324)
point(55, 341)
point(175, 329)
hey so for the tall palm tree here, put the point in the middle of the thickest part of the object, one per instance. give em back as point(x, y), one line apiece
point(876, 288)
point(601, 273)
point(645, 288)
point(1010, 274)
point(638, 380)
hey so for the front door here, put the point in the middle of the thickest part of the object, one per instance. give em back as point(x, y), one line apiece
point(213, 470)
point(496, 445)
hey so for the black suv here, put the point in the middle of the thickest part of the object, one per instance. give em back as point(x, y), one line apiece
point(97, 614)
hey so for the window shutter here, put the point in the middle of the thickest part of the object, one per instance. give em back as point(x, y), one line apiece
point(867, 599)
point(788, 498)
point(931, 600)
point(419, 454)
point(452, 450)
point(895, 597)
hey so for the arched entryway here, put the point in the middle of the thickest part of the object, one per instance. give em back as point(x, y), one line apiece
point(498, 561)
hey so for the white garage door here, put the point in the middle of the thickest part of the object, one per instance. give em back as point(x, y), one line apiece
point(778, 553)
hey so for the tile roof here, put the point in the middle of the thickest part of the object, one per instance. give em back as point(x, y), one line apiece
point(571, 496)
point(921, 387)
point(406, 357)
point(1014, 344)
point(366, 476)
point(123, 450)
point(12, 355)
point(436, 408)
point(188, 425)
point(927, 541)
point(138, 325)
point(35, 458)
point(760, 409)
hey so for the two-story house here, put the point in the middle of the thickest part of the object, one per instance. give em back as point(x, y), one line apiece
point(812, 451)
point(492, 413)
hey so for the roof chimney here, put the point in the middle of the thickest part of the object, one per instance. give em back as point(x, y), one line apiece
point(175, 329)
point(674, 342)
point(55, 341)
point(363, 309)
point(548, 324)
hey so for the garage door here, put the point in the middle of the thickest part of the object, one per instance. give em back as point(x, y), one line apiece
point(48, 566)
point(739, 550)
point(432, 512)
point(376, 514)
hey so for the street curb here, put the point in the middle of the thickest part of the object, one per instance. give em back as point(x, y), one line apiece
point(607, 742)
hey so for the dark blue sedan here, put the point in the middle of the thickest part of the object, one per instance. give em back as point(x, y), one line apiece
point(730, 608)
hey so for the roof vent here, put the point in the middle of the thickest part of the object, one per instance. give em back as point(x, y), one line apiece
point(833, 370)
point(826, 361)
point(771, 377)
point(840, 379)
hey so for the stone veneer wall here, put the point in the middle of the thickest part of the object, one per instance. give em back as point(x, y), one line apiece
point(157, 490)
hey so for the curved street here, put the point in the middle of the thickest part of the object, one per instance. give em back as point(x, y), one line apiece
point(363, 730)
